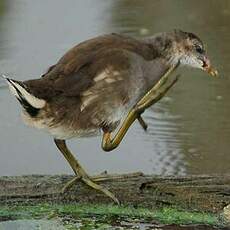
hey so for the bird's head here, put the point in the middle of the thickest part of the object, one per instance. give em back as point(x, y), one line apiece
point(185, 48)
point(190, 51)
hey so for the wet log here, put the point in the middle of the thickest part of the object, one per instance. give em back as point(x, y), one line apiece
point(202, 193)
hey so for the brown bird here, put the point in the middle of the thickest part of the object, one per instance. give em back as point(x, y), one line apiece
point(99, 82)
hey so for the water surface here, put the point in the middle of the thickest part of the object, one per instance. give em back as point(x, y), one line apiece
point(189, 130)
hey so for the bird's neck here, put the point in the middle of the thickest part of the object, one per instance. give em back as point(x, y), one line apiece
point(165, 45)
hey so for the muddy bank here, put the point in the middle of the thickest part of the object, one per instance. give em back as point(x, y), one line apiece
point(148, 202)
point(202, 193)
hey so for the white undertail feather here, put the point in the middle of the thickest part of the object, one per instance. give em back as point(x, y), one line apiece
point(21, 93)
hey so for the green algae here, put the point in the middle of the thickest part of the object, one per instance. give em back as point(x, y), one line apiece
point(164, 215)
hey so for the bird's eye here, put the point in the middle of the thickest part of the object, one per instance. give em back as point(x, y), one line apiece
point(199, 49)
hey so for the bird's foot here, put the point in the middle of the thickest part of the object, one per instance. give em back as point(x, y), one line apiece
point(103, 177)
point(91, 182)
point(70, 184)
point(80, 172)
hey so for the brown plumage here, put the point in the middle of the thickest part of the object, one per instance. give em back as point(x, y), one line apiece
point(96, 83)
point(78, 100)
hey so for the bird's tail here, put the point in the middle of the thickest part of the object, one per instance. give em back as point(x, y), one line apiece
point(29, 102)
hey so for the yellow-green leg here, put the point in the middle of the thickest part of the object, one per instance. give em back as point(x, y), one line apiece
point(108, 143)
point(79, 171)
point(151, 97)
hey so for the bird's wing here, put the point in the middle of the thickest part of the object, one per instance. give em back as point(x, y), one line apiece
point(105, 60)
point(77, 68)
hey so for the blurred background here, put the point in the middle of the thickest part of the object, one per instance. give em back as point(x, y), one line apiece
point(189, 129)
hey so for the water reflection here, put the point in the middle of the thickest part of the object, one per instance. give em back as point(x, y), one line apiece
point(200, 128)
point(32, 225)
point(188, 130)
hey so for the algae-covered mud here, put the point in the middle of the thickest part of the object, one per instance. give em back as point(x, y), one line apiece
point(65, 216)
point(148, 202)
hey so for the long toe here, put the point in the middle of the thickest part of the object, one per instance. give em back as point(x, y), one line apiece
point(102, 189)
point(70, 184)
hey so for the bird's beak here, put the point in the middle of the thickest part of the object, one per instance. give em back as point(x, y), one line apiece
point(208, 68)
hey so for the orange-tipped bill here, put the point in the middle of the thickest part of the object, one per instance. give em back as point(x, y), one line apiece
point(213, 72)
point(208, 68)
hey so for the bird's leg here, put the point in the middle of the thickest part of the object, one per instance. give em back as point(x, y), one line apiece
point(154, 96)
point(151, 97)
point(79, 171)
point(158, 91)
point(109, 143)
point(142, 123)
